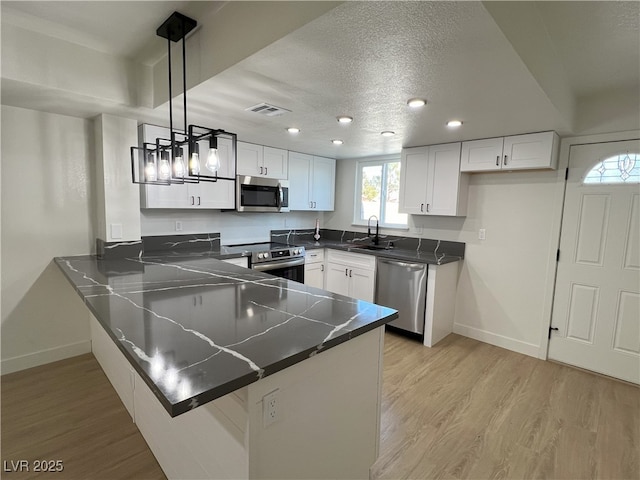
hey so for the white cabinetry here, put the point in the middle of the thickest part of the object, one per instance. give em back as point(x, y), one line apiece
point(241, 261)
point(517, 152)
point(351, 274)
point(260, 161)
point(314, 269)
point(431, 182)
point(212, 195)
point(312, 182)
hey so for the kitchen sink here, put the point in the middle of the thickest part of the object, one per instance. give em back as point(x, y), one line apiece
point(371, 247)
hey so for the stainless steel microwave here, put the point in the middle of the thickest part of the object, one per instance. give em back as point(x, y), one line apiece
point(257, 194)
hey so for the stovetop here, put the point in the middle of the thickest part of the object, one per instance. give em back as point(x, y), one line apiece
point(267, 251)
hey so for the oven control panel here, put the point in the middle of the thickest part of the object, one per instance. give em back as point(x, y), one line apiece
point(265, 256)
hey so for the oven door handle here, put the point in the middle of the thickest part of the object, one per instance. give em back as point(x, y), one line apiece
point(262, 267)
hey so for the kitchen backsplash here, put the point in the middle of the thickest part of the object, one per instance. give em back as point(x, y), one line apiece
point(294, 236)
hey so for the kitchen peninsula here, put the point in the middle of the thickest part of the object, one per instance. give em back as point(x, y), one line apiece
point(232, 373)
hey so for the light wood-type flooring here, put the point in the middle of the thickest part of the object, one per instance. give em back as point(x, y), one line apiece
point(463, 409)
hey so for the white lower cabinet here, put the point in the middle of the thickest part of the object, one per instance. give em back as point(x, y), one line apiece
point(314, 268)
point(351, 274)
point(241, 262)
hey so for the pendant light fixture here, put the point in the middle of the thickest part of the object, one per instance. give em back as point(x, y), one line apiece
point(178, 159)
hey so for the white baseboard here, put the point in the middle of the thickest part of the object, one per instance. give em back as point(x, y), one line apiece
point(15, 364)
point(498, 340)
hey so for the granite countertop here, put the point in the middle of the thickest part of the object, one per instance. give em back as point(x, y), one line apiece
point(196, 328)
point(420, 256)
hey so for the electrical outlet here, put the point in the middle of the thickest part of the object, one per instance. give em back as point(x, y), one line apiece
point(417, 230)
point(178, 226)
point(482, 234)
point(270, 408)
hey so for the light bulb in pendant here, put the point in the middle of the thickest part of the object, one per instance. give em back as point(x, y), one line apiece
point(178, 167)
point(194, 164)
point(150, 172)
point(213, 160)
point(164, 169)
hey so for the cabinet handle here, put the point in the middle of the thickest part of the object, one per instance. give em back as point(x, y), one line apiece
point(310, 204)
point(261, 171)
point(193, 200)
point(198, 200)
point(346, 272)
point(322, 268)
point(427, 208)
point(497, 160)
point(266, 169)
point(315, 204)
point(422, 207)
point(505, 159)
point(350, 272)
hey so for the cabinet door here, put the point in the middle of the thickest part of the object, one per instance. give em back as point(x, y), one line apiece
point(323, 183)
point(337, 279)
point(443, 186)
point(362, 284)
point(413, 180)
point(481, 155)
point(275, 163)
point(535, 150)
point(215, 195)
point(299, 181)
point(314, 275)
point(227, 161)
point(164, 196)
point(250, 159)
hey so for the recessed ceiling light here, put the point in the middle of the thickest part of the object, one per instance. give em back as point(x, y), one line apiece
point(387, 133)
point(337, 142)
point(293, 130)
point(345, 119)
point(416, 102)
point(454, 123)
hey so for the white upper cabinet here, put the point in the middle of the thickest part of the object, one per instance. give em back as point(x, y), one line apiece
point(311, 182)
point(517, 152)
point(431, 182)
point(259, 161)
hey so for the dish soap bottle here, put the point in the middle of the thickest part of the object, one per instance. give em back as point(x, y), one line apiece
point(317, 232)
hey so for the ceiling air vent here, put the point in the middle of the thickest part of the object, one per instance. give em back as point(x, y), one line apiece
point(268, 110)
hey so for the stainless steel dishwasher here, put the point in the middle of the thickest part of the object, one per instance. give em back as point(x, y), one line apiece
point(403, 286)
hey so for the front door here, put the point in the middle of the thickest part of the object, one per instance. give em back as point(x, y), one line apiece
point(597, 298)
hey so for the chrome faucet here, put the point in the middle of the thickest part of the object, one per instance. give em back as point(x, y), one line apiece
point(376, 238)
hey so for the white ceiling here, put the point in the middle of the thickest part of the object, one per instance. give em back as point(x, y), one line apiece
point(365, 59)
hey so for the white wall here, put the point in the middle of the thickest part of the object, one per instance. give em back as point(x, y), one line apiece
point(46, 212)
point(234, 227)
point(503, 289)
point(117, 198)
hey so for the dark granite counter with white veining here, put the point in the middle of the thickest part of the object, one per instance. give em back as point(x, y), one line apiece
point(406, 249)
point(196, 328)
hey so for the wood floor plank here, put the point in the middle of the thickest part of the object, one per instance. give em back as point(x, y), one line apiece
point(462, 409)
point(69, 411)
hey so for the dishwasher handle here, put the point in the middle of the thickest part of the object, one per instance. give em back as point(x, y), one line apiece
point(402, 264)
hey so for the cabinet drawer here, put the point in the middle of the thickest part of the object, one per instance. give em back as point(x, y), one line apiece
point(356, 260)
point(314, 256)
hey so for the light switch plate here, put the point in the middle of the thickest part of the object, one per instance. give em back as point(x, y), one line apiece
point(482, 234)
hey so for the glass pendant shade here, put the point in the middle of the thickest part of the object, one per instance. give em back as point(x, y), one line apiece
point(213, 160)
point(164, 168)
point(194, 161)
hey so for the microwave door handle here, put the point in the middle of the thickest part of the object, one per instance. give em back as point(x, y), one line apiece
point(280, 196)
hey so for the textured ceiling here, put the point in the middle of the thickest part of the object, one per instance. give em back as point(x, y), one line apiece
point(363, 59)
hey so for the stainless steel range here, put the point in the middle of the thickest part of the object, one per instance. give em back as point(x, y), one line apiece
point(284, 261)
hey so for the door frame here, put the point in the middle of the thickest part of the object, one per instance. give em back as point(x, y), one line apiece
point(554, 244)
